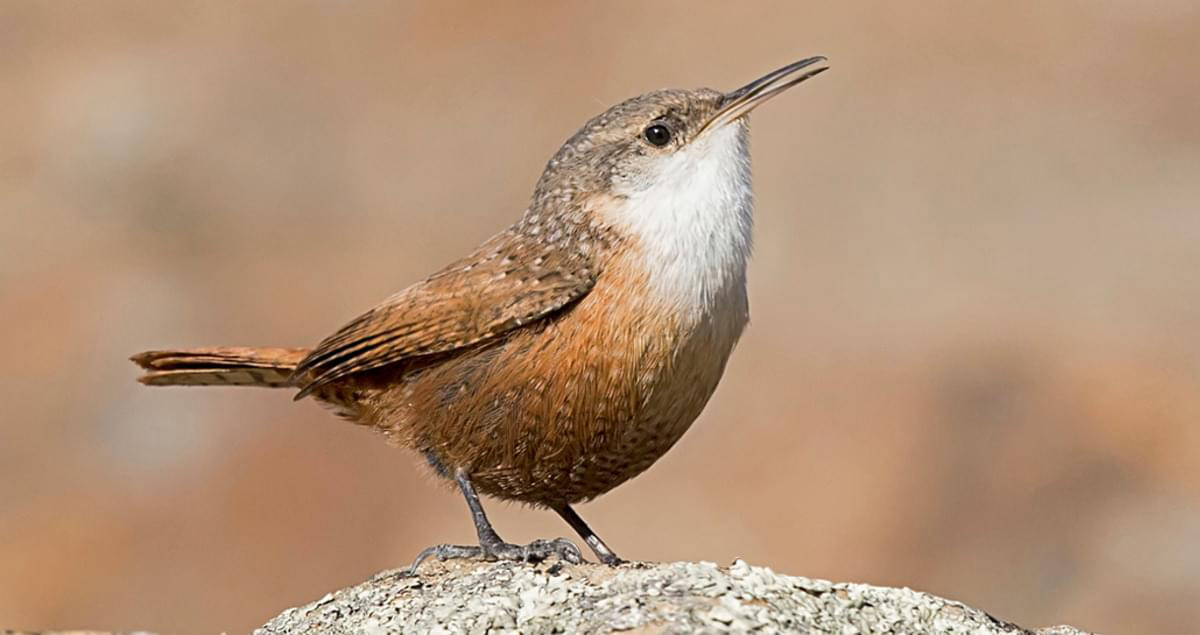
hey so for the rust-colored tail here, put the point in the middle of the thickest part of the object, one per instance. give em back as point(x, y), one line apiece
point(220, 366)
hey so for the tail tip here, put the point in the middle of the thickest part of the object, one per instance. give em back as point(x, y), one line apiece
point(142, 359)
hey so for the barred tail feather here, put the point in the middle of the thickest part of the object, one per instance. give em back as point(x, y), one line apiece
point(220, 366)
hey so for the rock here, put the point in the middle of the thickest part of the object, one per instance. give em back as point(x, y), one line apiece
point(679, 597)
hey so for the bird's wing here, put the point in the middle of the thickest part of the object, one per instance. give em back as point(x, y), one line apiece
point(509, 281)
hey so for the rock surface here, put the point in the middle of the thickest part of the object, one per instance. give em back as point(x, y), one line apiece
point(680, 597)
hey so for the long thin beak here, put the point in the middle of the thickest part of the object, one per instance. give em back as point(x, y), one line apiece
point(740, 102)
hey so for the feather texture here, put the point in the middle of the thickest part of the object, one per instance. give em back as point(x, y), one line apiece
point(262, 367)
point(514, 278)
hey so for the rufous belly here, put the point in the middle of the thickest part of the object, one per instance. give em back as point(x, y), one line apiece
point(565, 410)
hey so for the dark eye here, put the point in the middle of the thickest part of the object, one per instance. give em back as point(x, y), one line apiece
point(657, 134)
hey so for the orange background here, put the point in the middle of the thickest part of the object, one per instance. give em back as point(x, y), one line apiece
point(972, 368)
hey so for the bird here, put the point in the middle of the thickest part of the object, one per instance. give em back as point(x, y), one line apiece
point(568, 352)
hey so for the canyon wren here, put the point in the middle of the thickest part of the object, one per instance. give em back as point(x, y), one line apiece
point(569, 352)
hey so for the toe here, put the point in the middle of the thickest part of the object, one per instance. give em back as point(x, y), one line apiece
point(567, 550)
point(445, 552)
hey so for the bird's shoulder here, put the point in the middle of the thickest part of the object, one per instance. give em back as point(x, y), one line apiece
point(523, 274)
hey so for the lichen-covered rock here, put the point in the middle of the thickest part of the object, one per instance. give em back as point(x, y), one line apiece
point(680, 597)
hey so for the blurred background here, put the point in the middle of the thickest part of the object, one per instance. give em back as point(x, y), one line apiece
point(972, 368)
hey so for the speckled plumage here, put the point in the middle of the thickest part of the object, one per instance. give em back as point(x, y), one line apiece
point(570, 351)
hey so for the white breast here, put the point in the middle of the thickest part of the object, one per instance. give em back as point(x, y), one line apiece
point(693, 217)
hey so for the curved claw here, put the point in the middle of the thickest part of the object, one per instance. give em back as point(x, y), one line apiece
point(564, 549)
point(444, 552)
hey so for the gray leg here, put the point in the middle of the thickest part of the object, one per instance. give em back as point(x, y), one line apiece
point(602, 551)
point(491, 546)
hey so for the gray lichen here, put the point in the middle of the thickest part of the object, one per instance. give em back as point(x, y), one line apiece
point(680, 597)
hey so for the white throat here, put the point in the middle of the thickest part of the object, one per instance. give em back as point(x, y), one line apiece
point(693, 217)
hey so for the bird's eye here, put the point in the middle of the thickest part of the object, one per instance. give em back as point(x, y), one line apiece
point(657, 134)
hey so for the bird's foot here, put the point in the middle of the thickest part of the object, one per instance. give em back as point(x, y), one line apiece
point(611, 559)
point(535, 551)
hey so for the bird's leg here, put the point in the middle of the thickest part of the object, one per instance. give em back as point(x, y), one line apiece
point(491, 546)
point(495, 548)
point(602, 551)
